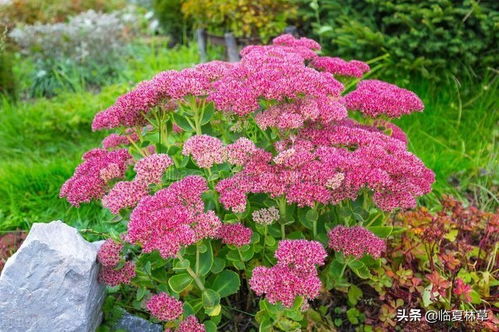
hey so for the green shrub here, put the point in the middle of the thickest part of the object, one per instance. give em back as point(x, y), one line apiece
point(420, 36)
point(245, 18)
point(169, 14)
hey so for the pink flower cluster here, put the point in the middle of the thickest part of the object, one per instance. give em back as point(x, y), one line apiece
point(109, 253)
point(302, 255)
point(289, 40)
point(150, 169)
point(329, 164)
point(90, 178)
point(173, 217)
point(235, 234)
point(208, 151)
point(294, 274)
point(294, 115)
point(266, 216)
point(163, 92)
point(239, 152)
point(125, 194)
point(374, 98)
point(164, 307)
point(206, 225)
point(190, 324)
point(355, 241)
point(205, 150)
point(109, 256)
point(114, 140)
point(277, 72)
point(338, 66)
point(113, 276)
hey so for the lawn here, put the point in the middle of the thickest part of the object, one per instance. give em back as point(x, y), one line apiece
point(42, 141)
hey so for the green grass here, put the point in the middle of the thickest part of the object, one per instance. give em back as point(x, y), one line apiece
point(456, 137)
point(42, 140)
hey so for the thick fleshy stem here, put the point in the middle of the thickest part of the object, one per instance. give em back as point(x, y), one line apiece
point(347, 261)
point(193, 274)
point(139, 150)
point(282, 210)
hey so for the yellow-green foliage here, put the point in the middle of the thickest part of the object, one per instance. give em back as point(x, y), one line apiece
point(245, 18)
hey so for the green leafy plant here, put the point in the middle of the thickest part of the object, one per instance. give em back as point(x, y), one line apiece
point(87, 50)
point(173, 23)
point(443, 260)
point(250, 19)
point(234, 193)
point(458, 37)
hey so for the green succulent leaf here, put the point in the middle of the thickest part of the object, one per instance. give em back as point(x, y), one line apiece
point(206, 260)
point(226, 283)
point(210, 298)
point(179, 282)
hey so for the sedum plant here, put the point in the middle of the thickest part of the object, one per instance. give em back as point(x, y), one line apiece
point(245, 183)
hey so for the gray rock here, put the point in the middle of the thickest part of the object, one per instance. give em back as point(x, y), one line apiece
point(50, 283)
point(131, 323)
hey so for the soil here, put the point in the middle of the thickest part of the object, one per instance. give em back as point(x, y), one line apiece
point(9, 243)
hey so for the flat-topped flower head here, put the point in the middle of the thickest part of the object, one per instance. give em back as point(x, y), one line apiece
point(355, 241)
point(109, 253)
point(164, 307)
point(266, 216)
point(277, 73)
point(331, 163)
point(113, 277)
point(205, 150)
point(213, 70)
point(150, 169)
point(374, 98)
point(206, 225)
point(90, 178)
point(338, 66)
point(235, 234)
point(114, 140)
point(190, 324)
point(125, 194)
point(167, 220)
point(240, 151)
point(290, 40)
point(129, 109)
point(283, 284)
point(302, 255)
